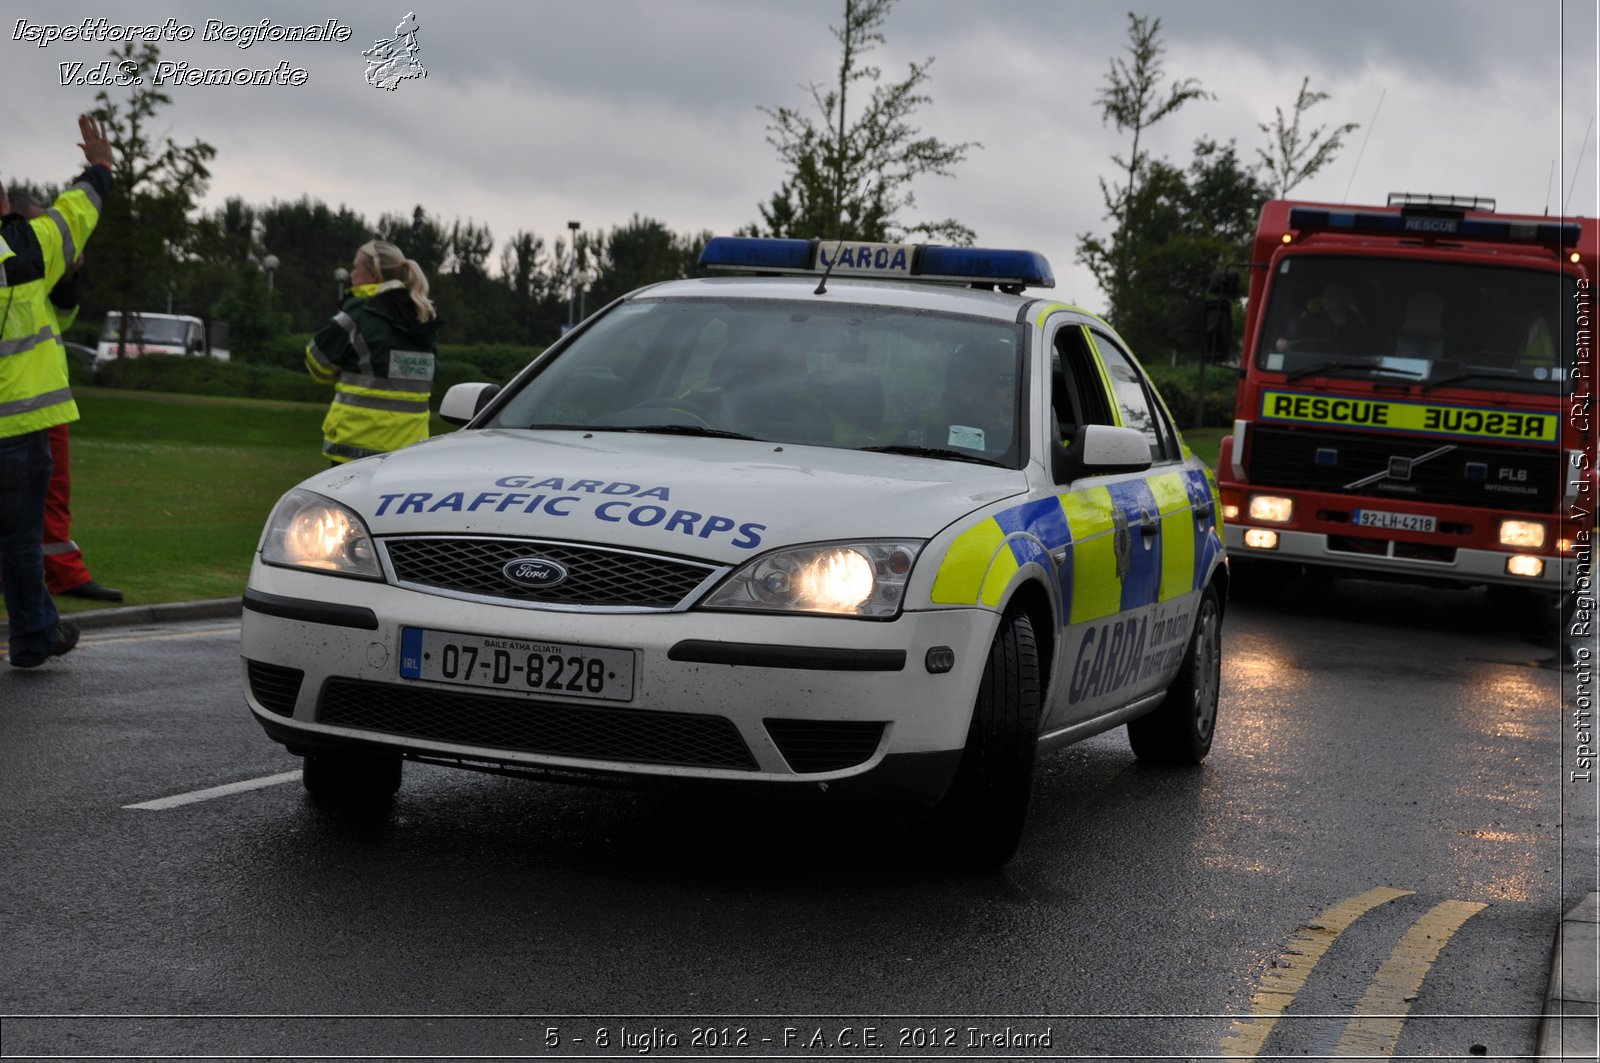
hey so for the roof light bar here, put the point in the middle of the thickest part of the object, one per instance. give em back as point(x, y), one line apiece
point(1428, 199)
point(1425, 223)
point(856, 258)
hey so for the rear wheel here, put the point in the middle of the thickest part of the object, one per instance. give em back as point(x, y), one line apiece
point(1181, 730)
point(349, 780)
point(982, 816)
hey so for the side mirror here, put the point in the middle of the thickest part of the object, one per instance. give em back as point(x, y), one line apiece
point(1099, 450)
point(463, 402)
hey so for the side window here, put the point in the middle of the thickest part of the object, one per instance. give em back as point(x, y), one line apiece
point(1135, 401)
point(1077, 396)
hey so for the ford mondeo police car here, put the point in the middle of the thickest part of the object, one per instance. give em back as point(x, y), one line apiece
point(866, 518)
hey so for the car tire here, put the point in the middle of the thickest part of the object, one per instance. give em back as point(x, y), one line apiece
point(346, 780)
point(1181, 729)
point(979, 821)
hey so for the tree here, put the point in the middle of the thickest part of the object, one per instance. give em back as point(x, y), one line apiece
point(850, 178)
point(1132, 100)
point(144, 245)
point(1295, 157)
point(644, 251)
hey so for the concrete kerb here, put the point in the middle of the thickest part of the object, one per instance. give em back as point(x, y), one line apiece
point(130, 615)
point(1568, 1029)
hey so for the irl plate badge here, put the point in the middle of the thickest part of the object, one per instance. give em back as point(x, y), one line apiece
point(392, 61)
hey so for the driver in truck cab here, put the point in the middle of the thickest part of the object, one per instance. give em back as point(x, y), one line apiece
point(1331, 323)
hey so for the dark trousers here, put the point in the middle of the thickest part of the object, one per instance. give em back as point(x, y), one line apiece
point(25, 465)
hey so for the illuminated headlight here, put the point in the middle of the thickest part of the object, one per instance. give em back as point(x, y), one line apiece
point(1521, 533)
point(1525, 565)
point(1230, 513)
point(1261, 538)
point(1271, 509)
point(844, 579)
point(309, 531)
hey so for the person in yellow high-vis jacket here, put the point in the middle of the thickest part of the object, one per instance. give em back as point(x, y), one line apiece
point(379, 353)
point(34, 395)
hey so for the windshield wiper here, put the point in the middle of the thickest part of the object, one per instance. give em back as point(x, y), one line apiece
point(675, 430)
point(1469, 374)
point(1334, 364)
point(934, 452)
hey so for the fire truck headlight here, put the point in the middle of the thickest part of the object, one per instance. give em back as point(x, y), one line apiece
point(1529, 533)
point(1525, 565)
point(1271, 509)
point(1230, 512)
point(1261, 538)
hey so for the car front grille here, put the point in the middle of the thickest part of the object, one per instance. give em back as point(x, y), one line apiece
point(274, 686)
point(596, 576)
point(1522, 479)
point(527, 726)
point(824, 745)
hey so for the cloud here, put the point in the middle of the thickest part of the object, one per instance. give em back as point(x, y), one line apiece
point(537, 113)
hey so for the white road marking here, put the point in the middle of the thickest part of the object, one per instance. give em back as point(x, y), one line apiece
point(161, 804)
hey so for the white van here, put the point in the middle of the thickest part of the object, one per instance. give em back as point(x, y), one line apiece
point(155, 334)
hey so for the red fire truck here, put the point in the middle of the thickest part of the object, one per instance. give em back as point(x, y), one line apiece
point(1414, 401)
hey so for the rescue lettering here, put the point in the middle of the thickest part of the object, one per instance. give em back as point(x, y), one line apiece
point(1420, 418)
point(1319, 408)
point(1483, 423)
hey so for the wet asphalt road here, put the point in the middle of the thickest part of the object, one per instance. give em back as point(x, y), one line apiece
point(1382, 751)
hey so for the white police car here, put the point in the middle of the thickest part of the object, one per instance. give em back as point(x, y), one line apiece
point(876, 522)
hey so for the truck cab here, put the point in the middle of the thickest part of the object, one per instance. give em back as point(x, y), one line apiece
point(1409, 403)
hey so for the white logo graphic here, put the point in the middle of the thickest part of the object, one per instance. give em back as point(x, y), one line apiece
point(391, 62)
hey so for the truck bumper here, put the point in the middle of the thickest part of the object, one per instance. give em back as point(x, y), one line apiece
point(1469, 567)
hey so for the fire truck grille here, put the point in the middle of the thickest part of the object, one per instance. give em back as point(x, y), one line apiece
point(1518, 479)
point(595, 577)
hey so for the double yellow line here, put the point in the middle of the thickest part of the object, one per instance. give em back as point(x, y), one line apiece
point(1374, 1029)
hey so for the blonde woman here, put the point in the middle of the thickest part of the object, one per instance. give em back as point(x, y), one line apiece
point(379, 354)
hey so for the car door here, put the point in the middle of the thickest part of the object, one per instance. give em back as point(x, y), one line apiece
point(1128, 570)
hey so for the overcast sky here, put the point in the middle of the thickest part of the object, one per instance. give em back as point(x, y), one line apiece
point(536, 113)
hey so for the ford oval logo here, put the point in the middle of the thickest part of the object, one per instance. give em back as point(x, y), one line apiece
point(534, 572)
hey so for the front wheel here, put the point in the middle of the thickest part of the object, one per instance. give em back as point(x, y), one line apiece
point(351, 780)
point(981, 818)
point(1181, 730)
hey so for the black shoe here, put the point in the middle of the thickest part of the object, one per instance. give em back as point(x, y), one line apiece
point(94, 592)
point(66, 638)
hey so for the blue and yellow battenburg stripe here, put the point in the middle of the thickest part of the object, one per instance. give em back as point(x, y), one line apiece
point(1102, 559)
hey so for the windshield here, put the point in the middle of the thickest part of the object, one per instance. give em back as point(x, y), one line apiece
point(1414, 321)
point(142, 329)
point(827, 374)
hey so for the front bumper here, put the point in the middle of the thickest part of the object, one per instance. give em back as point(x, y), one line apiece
point(717, 696)
point(1467, 567)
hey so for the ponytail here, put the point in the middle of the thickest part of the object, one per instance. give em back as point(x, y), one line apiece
point(391, 264)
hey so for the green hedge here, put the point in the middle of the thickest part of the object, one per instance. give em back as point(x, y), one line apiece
point(1177, 385)
point(252, 380)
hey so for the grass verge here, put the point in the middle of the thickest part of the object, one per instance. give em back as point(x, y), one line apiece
point(169, 492)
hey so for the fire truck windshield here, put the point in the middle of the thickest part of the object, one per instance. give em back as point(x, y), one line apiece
point(1410, 320)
